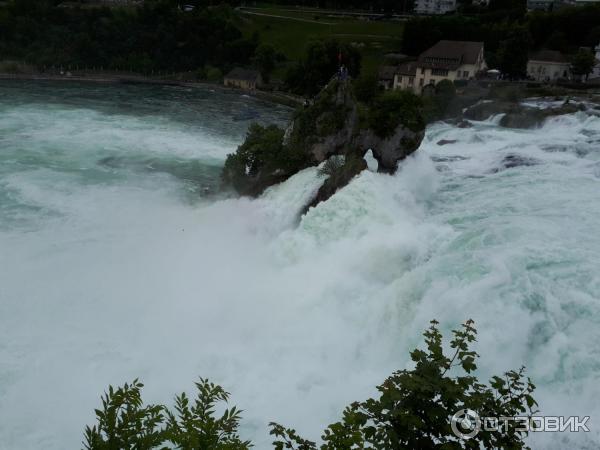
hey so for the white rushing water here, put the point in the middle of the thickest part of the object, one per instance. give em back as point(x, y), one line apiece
point(113, 266)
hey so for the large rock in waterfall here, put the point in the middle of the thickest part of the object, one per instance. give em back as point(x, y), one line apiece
point(336, 123)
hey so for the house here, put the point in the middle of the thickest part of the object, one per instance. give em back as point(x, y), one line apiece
point(243, 79)
point(446, 60)
point(385, 76)
point(548, 66)
point(435, 6)
point(405, 76)
point(548, 5)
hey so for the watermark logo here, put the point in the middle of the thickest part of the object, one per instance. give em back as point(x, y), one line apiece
point(466, 424)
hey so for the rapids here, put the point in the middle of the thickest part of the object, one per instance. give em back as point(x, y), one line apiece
point(119, 260)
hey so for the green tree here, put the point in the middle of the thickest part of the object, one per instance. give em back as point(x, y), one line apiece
point(514, 53)
point(265, 59)
point(366, 87)
point(418, 408)
point(583, 63)
point(124, 423)
point(196, 427)
point(320, 63)
point(415, 407)
point(261, 161)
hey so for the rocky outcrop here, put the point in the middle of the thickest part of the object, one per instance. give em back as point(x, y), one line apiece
point(402, 142)
point(525, 117)
point(516, 115)
point(339, 175)
point(391, 127)
point(342, 127)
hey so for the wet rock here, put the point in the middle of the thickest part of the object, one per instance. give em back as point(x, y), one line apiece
point(339, 175)
point(446, 141)
point(486, 109)
point(464, 124)
point(512, 161)
point(448, 158)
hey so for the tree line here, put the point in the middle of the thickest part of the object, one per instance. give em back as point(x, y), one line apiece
point(509, 32)
point(154, 36)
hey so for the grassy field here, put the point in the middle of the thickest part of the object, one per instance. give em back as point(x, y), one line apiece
point(289, 31)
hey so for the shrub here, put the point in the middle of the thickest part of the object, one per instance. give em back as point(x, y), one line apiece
point(395, 108)
point(262, 155)
point(416, 409)
point(366, 87)
point(125, 424)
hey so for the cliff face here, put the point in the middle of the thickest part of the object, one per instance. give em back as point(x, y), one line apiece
point(334, 124)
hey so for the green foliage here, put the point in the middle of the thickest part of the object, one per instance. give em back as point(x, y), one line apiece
point(514, 53)
point(124, 423)
point(320, 64)
point(395, 108)
point(261, 155)
point(155, 36)
point(415, 407)
point(583, 62)
point(265, 59)
point(323, 117)
point(196, 427)
point(366, 87)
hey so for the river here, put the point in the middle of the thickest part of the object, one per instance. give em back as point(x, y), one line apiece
point(119, 258)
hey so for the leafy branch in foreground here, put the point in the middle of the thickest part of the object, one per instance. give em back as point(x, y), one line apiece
point(415, 410)
point(415, 407)
point(125, 424)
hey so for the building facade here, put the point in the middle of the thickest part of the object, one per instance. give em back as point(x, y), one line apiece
point(435, 6)
point(243, 79)
point(548, 66)
point(446, 60)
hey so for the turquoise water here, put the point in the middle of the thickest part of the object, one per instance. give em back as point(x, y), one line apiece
point(119, 260)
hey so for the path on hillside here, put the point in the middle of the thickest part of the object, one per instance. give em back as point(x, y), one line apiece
point(297, 19)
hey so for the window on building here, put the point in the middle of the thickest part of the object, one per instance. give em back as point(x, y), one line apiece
point(439, 72)
point(399, 79)
point(411, 80)
point(465, 74)
point(421, 82)
point(422, 70)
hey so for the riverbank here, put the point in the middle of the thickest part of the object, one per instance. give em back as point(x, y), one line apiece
point(281, 98)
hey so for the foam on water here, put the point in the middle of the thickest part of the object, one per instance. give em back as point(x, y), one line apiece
point(116, 274)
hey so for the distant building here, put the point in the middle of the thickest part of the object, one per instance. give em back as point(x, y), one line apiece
point(583, 2)
point(540, 5)
point(435, 6)
point(448, 60)
point(405, 76)
point(385, 76)
point(548, 5)
point(243, 79)
point(548, 66)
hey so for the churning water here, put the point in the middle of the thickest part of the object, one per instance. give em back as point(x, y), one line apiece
point(117, 260)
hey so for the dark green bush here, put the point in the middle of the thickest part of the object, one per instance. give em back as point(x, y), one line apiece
point(394, 108)
point(262, 155)
point(414, 410)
